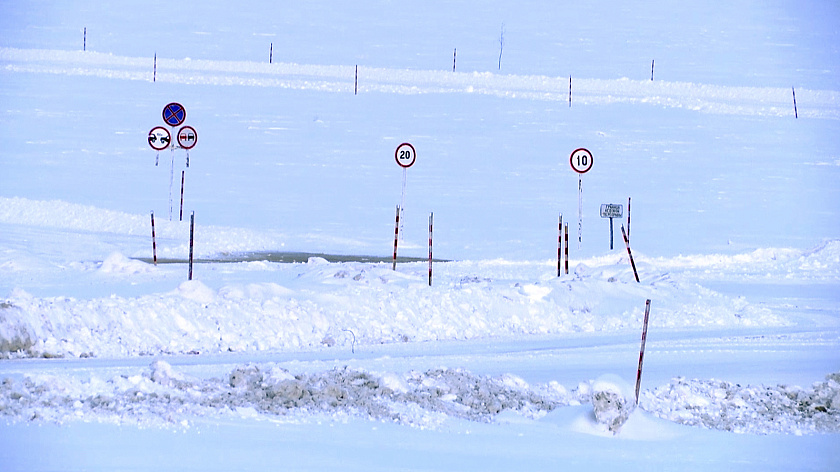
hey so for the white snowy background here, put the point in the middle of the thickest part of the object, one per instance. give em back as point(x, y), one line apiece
point(110, 362)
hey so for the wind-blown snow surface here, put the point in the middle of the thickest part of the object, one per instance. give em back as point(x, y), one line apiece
point(500, 364)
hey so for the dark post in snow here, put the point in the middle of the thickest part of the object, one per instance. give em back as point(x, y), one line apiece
point(356, 82)
point(454, 55)
point(501, 45)
point(192, 233)
point(84, 40)
point(154, 244)
point(642, 350)
point(154, 71)
point(651, 69)
point(181, 213)
point(628, 218)
point(431, 219)
point(270, 52)
point(570, 91)
point(795, 113)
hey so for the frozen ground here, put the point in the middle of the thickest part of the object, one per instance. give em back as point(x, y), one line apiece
point(110, 362)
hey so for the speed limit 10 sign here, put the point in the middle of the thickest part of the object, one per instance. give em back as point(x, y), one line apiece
point(405, 155)
point(581, 160)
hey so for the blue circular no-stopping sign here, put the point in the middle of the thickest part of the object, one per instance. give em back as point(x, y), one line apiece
point(174, 114)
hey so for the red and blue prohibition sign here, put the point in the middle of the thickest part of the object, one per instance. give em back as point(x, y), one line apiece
point(174, 114)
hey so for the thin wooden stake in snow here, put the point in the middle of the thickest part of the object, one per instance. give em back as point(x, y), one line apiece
point(642, 351)
point(270, 52)
point(84, 40)
point(154, 71)
point(154, 244)
point(570, 91)
point(651, 69)
point(181, 213)
point(396, 237)
point(192, 233)
point(627, 243)
point(501, 45)
point(454, 56)
point(431, 219)
point(795, 113)
point(356, 82)
point(628, 218)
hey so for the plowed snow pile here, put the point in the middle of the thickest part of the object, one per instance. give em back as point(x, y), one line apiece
point(161, 396)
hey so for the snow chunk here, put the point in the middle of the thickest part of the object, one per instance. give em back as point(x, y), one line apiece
point(196, 291)
point(117, 263)
point(613, 400)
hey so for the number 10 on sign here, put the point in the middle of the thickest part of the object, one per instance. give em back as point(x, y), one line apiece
point(581, 162)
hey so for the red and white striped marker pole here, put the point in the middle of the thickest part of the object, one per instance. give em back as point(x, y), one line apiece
point(154, 244)
point(566, 238)
point(181, 213)
point(642, 351)
point(560, 246)
point(431, 219)
point(396, 237)
point(627, 243)
point(192, 232)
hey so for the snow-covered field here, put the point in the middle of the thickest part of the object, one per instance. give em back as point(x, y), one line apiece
point(111, 362)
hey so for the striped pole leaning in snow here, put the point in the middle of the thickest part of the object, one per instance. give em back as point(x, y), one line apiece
point(154, 244)
point(627, 243)
point(431, 219)
point(192, 232)
point(396, 237)
point(642, 351)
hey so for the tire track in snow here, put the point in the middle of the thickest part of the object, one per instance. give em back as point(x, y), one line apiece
point(706, 98)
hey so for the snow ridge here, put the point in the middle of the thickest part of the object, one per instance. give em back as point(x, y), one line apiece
point(706, 98)
point(162, 396)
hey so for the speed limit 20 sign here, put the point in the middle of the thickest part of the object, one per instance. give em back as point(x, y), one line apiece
point(581, 160)
point(405, 155)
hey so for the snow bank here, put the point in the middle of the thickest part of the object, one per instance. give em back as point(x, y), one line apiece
point(161, 395)
point(749, 409)
point(317, 303)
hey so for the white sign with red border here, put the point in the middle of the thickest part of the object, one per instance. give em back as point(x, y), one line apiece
point(187, 137)
point(159, 138)
point(405, 155)
point(581, 160)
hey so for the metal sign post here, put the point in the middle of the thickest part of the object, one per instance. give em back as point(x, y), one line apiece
point(610, 210)
point(405, 155)
point(581, 162)
point(173, 114)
